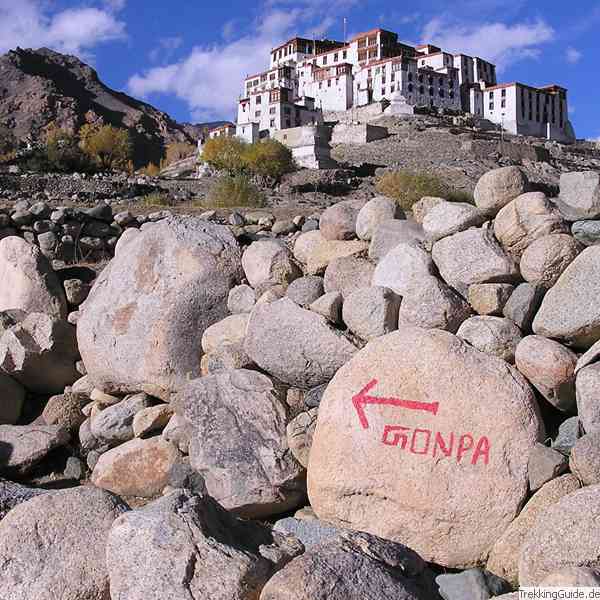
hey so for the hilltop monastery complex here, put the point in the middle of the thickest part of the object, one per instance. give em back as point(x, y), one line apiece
point(309, 77)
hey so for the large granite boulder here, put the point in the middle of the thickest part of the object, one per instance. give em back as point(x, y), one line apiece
point(239, 444)
point(386, 236)
point(12, 494)
point(28, 281)
point(566, 534)
point(38, 351)
point(186, 546)
point(376, 211)
point(353, 566)
point(579, 195)
point(141, 326)
point(269, 262)
point(570, 310)
point(447, 218)
point(525, 219)
point(12, 397)
point(496, 188)
point(54, 546)
point(295, 345)
point(424, 440)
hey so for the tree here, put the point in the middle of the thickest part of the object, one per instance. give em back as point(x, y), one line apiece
point(63, 152)
point(109, 147)
point(178, 151)
point(225, 154)
point(268, 158)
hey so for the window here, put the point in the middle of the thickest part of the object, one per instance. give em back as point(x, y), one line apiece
point(392, 89)
point(441, 93)
point(491, 95)
point(431, 91)
point(272, 123)
point(491, 106)
point(329, 83)
point(288, 122)
point(383, 91)
point(272, 110)
point(451, 94)
point(335, 57)
point(410, 87)
point(344, 54)
point(325, 59)
point(420, 78)
point(257, 113)
point(503, 104)
point(258, 99)
point(410, 76)
point(504, 93)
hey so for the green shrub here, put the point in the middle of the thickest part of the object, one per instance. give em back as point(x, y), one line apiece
point(408, 187)
point(234, 191)
point(225, 154)
point(268, 158)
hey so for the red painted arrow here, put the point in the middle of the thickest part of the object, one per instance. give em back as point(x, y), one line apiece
point(362, 399)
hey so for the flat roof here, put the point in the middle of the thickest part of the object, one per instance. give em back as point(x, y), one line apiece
point(376, 30)
point(519, 84)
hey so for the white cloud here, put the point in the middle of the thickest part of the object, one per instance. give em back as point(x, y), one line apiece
point(116, 5)
point(210, 78)
point(497, 42)
point(28, 23)
point(573, 55)
point(165, 49)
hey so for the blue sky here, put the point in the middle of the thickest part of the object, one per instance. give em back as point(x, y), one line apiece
point(189, 58)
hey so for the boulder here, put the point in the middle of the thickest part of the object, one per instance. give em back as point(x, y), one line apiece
point(305, 290)
point(300, 431)
point(38, 351)
point(295, 345)
point(566, 534)
point(420, 208)
point(239, 443)
point(12, 397)
point(24, 446)
point(524, 220)
point(523, 304)
point(229, 356)
point(579, 195)
point(504, 556)
point(179, 432)
point(151, 419)
point(54, 545)
point(473, 256)
point(144, 318)
point(269, 261)
point(139, 467)
point(28, 281)
point(585, 459)
point(544, 261)
point(387, 236)
point(310, 532)
point(305, 244)
point(204, 553)
point(431, 304)
point(493, 335)
point(348, 274)
point(488, 299)
point(447, 218)
point(450, 434)
point(326, 251)
point(550, 368)
point(569, 431)
point(496, 188)
point(402, 267)
point(338, 222)
point(371, 312)
point(544, 465)
point(114, 425)
point(241, 299)
point(353, 566)
point(572, 577)
point(228, 331)
point(587, 387)
point(65, 410)
point(376, 211)
point(474, 584)
point(329, 306)
point(570, 310)
point(12, 494)
point(586, 232)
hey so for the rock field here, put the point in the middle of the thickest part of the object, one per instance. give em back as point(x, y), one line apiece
point(354, 404)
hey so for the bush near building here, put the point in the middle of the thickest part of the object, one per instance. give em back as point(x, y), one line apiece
point(232, 191)
point(408, 187)
point(266, 158)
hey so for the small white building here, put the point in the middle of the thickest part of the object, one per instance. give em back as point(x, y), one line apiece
point(225, 130)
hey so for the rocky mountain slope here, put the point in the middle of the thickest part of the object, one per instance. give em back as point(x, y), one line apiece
point(38, 87)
